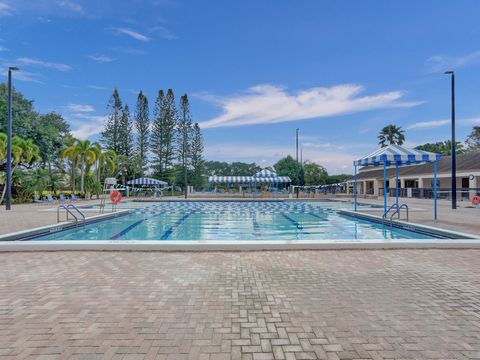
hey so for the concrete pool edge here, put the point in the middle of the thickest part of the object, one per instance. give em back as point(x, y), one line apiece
point(435, 231)
point(66, 225)
point(237, 245)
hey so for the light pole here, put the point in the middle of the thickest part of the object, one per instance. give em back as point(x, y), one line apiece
point(454, 155)
point(296, 158)
point(9, 141)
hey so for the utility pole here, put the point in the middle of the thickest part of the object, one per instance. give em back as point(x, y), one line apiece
point(8, 182)
point(454, 155)
point(296, 158)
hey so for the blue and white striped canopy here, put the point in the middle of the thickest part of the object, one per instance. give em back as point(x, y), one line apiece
point(396, 154)
point(230, 179)
point(146, 181)
point(265, 174)
point(248, 179)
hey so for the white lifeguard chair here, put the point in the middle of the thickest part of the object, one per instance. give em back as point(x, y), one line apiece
point(109, 185)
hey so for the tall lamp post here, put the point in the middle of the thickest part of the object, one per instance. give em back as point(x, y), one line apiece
point(9, 141)
point(454, 155)
point(296, 158)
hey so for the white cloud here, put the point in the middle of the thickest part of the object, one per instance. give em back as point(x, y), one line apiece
point(443, 122)
point(80, 108)
point(267, 104)
point(101, 58)
point(133, 34)
point(45, 64)
point(333, 160)
point(88, 125)
point(440, 63)
point(72, 6)
point(428, 124)
point(5, 9)
point(26, 76)
point(2, 48)
point(96, 87)
point(164, 32)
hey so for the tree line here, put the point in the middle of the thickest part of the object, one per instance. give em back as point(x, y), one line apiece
point(392, 134)
point(167, 143)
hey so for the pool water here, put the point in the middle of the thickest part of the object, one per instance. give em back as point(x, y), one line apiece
point(228, 220)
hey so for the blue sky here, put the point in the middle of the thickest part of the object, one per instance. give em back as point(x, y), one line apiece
point(255, 70)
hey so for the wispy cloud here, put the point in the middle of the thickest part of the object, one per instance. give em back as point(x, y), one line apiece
point(72, 6)
point(428, 124)
point(333, 159)
point(2, 48)
point(80, 108)
point(5, 9)
point(101, 58)
point(164, 32)
point(86, 125)
point(25, 76)
point(439, 63)
point(267, 104)
point(133, 34)
point(438, 123)
point(44, 64)
point(96, 87)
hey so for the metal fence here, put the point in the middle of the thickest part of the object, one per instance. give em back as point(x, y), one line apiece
point(427, 193)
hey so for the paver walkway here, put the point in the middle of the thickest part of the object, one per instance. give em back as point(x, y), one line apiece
point(403, 304)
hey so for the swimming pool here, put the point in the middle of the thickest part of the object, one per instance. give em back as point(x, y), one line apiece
point(235, 220)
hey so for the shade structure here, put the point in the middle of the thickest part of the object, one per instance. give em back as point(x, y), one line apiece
point(396, 155)
point(265, 173)
point(147, 181)
point(248, 179)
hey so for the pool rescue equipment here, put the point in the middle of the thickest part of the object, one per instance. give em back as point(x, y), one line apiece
point(476, 200)
point(116, 197)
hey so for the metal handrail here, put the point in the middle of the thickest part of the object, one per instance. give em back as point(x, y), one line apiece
point(68, 212)
point(403, 206)
point(78, 211)
point(384, 216)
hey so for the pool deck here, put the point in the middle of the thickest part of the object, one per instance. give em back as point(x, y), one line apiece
point(390, 304)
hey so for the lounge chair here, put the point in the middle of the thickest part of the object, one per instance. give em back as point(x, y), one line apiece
point(62, 199)
point(51, 199)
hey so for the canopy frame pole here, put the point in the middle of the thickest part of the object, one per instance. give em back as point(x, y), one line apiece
point(384, 186)
point(396, 183)
point(435, 190)
point(355, 189)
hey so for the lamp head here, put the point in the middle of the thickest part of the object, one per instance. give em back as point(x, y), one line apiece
point(449, 72)
point(13, 68)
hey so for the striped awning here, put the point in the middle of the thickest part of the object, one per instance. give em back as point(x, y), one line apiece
point(248, 179)
point(265, 174)
point(230, 179)
point(396, 154)
point(146, 181)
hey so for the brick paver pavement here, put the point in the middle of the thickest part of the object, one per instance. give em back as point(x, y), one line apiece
point(402, 304)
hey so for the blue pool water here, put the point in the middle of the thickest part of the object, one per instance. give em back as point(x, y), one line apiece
point(216, 220)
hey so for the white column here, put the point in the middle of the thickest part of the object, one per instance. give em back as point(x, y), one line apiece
point(420, 183)
point(402, 183)
point(472, 184)
point(364, 185)
point(375, 187)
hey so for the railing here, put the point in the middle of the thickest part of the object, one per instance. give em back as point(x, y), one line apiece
point(463, 194)
point(385, 214)
point(68, 211)
point(403, 206)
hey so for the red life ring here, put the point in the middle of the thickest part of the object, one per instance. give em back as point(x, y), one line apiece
point(116, 197)
point(476, 200)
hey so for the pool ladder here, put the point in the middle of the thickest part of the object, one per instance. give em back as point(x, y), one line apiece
point(68, 210)
point(397, 211)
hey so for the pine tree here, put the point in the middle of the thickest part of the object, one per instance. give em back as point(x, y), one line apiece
point(163, 134)
point(184, 138)
point(110, 135)
point(142, 124)
point(197, 154)
point(125, 133)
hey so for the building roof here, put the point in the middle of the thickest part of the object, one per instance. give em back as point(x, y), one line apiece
point(396, 154)
point(465, 162)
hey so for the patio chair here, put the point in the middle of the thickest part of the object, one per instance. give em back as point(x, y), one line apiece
point(62, 199)
point(73, 198)
point(51, 199)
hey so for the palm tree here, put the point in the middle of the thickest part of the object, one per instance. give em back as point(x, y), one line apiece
point(391, 134)
point(71, 153)
point(105, 161)
point(86, 156)
point(24, 152)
